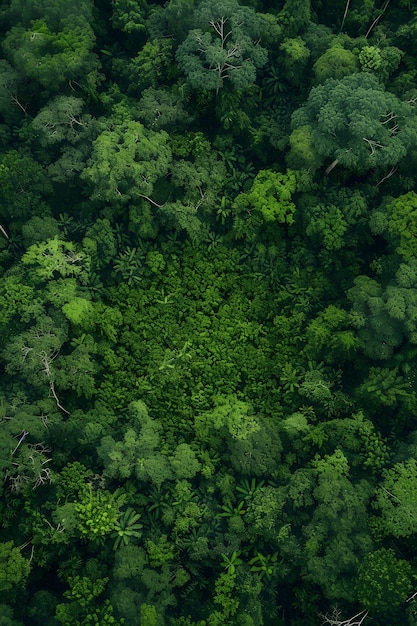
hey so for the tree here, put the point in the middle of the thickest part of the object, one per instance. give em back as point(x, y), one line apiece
point(327, 226)
point(336, 63)
point(14, 568)
point(50, 56)
point(126, 162)
point(330, 337)
point(231, 416)
point(396, 500)
point(335, 618)
point(128, 528)
point(293, 59)
point(270, 195)
point(129, 16)
point(61, 121)
point(401, 229)
point(55, 258)
point(222, 48)
point(32, 353)
point(53, 11)
point(149, 68)
point(23, 185)
point(163, 109)
point(97, 513)
point(379, 333)
point(384, 582)
point(337, 535)
point(356, 123)
point(184, 462)
point(82, 608)
point(14, 94)
point(294, 17)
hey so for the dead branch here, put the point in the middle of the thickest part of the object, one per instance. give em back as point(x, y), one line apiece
point(59, 405)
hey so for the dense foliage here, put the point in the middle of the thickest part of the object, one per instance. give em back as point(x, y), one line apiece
point(208, 311)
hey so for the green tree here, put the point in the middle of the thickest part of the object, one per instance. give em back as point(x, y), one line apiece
point(336, 63)
point(293, 59)
point(82, 608)
point(14, 94)
point(223, 47)
point(14, 568)
point(97, 513)
point(356, 123)
point(55, 258)
point(149, 68)
point(126, 162)
point(23, 185)
point(379, 333)
point(384, 582)
point(129, 16)
point(163, 109)
point(184, 462)
point(128, 528)
point(52, 57)
point(271, 196)
point(337, 535)
point(294, 17)
point(330, 337)
point(231, 417)
point(401, 216)
point(396, 501)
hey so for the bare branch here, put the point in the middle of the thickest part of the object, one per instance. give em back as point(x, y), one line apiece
point(59, 405)
point(390, 173)
point(23, 436)
point(344, 15)
point(335, 620)
point(331, 166)
point(19, 104)
point(375, 22)
point(160, 206)
point(373, 145)
point(4, 232)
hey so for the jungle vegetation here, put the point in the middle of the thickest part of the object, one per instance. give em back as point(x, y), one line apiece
point(208, 312)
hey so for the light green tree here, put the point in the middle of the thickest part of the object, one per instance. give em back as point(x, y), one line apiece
point(271, 197)
point(97, 512)
point(126, 162)
point(231, 417)
point(336, 62)
point(14, 568)
point(55, 258)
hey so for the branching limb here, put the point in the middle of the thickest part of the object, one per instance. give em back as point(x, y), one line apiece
point(59, 405)
point(390, 173)
point(373, 145)
point(160, 206)
point(335, 620)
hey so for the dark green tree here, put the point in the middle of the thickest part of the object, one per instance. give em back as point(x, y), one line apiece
point(223, 47)
point(356, 123)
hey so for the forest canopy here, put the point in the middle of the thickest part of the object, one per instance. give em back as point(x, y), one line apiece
point(208, 305)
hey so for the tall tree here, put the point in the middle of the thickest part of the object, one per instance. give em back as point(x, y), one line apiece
point(223, 48)
point(356, 123)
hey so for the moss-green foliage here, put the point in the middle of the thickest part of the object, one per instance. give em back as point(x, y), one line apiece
point(208, 312)
point(384, 581)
